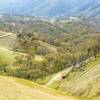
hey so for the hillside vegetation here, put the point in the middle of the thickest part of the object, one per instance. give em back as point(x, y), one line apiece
point(7, 56)
point(64, 54)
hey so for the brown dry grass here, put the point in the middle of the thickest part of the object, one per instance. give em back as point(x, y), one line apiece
point(10, 89)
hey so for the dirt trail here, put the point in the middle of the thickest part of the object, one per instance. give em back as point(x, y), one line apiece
point(10, 89)
point(6, 35)
point(58, 76)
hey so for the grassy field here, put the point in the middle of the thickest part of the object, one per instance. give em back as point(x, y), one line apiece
point(7, 55)
point(20, 89)
point(6, 44)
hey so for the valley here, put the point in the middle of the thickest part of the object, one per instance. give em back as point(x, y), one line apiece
point(36, 55)
point(49, 49)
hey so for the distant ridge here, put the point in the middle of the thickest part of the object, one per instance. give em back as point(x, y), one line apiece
point(51, 8)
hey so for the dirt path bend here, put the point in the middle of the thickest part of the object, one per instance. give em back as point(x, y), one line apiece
point(58, 76)
point(10, 89)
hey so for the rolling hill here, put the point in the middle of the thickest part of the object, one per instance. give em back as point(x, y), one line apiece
point(83, 83)
point(20, 89)
point(51, 8)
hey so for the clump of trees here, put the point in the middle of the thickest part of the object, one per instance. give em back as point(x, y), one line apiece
point(60, 49)
point(26, 67)
point(72, 50)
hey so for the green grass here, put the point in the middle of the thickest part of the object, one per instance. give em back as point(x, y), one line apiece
point(6, 44)
point(8, 56)
point(27, 82)
point(84, 98)
point(45, 80)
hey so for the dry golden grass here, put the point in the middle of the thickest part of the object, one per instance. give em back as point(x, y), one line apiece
point(10, 89)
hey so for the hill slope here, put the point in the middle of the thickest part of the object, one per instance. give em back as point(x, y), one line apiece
point(13, 89)
point(7, 41)
point(82, 83)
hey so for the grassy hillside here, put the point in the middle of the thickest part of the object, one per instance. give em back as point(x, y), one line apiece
point(44, 58)
point(82, 83)
point(20, 89)
point(7, 55)
point(7, 41)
